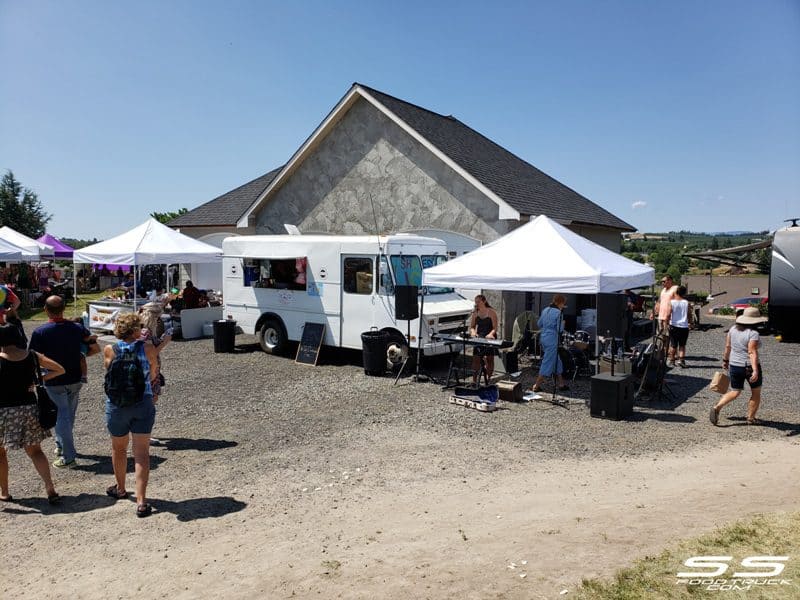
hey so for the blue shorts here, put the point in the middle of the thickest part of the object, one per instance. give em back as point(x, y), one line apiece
point(739, 375)
point(137, 418)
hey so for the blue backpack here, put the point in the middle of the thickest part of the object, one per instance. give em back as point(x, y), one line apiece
point(125, 382)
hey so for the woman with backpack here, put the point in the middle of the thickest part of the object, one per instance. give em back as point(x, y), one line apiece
point(130, 411)
point(19, 414)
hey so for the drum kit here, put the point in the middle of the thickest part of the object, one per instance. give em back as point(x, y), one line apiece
point(574, 354)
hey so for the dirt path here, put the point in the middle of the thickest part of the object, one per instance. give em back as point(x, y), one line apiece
point(361, 537)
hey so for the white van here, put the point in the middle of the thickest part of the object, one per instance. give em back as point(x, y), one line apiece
point(273, 284)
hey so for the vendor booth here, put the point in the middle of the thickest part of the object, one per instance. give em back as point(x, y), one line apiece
point(148, 244)
point(10, 252)
point(542, 256)
point(32, 250)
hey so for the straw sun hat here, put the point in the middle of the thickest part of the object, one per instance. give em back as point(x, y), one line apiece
point(750, 316)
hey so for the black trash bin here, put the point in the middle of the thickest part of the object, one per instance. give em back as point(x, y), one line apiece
point(224, 335)
point(373, 344)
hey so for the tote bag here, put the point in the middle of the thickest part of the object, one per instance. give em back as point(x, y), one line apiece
point(48, 411)
point(720, 382)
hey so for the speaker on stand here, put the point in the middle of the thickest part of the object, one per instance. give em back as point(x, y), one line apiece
point(406, 308)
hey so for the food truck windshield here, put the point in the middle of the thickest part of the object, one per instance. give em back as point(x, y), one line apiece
point(408, 268)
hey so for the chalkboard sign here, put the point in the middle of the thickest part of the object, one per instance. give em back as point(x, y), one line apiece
point(308, 350)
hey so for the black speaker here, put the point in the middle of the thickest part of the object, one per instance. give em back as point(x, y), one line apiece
point(611, 314)
point(406, 307)
point(511, 361)
point(612, 396)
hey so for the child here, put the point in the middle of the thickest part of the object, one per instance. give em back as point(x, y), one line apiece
point(84, 351)
point(153, 333)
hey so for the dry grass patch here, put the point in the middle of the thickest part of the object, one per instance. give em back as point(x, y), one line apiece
point(656, 577)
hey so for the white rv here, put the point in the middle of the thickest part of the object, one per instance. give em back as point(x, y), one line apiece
point(273, 284)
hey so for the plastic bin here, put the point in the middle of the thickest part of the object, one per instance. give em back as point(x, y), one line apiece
point(374, 344)
point(224, 335)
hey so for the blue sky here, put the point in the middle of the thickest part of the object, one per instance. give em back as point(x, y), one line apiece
point(672, 115)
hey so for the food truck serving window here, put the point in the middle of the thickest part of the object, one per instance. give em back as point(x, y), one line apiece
point(359, 273)
point(275, 273)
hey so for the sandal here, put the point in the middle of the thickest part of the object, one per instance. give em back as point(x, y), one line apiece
point(8, 498)
point(53, 499)
point(754, 421)
point(537, 389)
point(115, 493)
point(144, 510)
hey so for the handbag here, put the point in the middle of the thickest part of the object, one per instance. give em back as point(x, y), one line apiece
point(48, 411)
point(720, 382)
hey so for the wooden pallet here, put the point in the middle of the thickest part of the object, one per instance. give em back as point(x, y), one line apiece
point(476, 404)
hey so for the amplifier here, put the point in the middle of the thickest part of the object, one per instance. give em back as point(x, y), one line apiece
point(622, 366)
point(510, 391)
point(612, 396)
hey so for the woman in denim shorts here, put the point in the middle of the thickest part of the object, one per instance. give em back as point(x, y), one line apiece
point(742, 360)
point(133, 422)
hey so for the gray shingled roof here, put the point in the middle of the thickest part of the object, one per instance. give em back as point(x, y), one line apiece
point(228, 208)
point(523, 186)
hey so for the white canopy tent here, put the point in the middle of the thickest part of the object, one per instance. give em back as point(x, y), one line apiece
point(149, 243)
point(541, 256)
point(32, 250)
point(10, 252)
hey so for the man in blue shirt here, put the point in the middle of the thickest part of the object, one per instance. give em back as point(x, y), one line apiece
point(61, 341)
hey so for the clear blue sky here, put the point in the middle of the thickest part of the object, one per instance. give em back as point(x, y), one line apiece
point(672, 114)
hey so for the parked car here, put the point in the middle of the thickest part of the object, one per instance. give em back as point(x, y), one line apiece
point(739, 304)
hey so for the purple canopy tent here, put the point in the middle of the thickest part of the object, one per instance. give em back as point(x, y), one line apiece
point(60, 249)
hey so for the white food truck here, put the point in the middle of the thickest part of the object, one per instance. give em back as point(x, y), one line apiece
point(273, 284)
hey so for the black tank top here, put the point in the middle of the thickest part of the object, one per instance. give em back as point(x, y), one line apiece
point(483, 326)
point(16, 379)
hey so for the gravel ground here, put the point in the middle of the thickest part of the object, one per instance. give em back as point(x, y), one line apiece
point(270, 414)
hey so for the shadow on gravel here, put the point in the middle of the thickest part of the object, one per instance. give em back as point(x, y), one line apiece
point(102, 464)
point(246, 348)
point(69, 504)
point(640, 417)
point(199, 508)
point(790, 428)
point(703, 359)
point(201, 444)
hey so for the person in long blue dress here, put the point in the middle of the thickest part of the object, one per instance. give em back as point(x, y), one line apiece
point(550, 327)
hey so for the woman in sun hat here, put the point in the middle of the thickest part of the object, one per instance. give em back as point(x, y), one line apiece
point(742, 360)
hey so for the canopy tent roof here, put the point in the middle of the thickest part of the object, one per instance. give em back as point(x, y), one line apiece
point(60, 249)
point(149, 243)
point(32, 249)
point(9, 251)
point(541, 256)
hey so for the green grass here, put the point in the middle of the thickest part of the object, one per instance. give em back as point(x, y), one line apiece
point(38, 314)
point(656, 577)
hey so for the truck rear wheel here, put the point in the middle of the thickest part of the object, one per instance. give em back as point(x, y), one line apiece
point(272, 337)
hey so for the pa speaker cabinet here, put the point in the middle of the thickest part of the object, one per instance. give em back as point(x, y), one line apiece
point(612, 396)
point(406, 307)
point(510, 391)
point(611, 314)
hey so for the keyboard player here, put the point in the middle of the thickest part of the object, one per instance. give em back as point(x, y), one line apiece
point(483, 323)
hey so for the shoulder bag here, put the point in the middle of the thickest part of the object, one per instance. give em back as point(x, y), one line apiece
point(48, 411)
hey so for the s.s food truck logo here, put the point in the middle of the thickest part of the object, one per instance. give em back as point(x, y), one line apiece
point(752, 572)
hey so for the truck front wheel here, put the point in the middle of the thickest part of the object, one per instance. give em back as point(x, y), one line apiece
point(397, 351)
point(272, 337)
